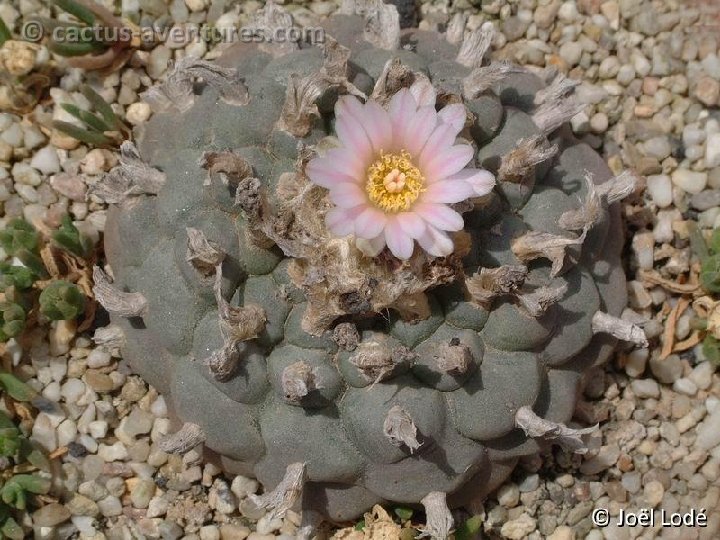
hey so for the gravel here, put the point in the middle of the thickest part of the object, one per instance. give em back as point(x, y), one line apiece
point(650, 83)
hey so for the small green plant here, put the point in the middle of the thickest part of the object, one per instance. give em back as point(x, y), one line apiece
point(20, 479)
point(709, 255)
point(20, 239)
point(19, 277)
point(97, 40)
point(62, 301)
point(68, 237)
point(102, 127)
point(21, 285)
point(12, 320)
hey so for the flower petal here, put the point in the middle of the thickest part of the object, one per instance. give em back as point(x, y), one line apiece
point(377, 125)
point(442, 138)
point(440, 216)
point(341, 221)
point(402, 108)
point(448, 191)
point(348, 195)
point(352, 136)
point(411, 223)
point(447, 162)
point(371, 248)
point(420, 127)
point(436, 243)
point(481, 180)
point(400, 243)
point(325, 172)
point(424, 93)
point(369, 223)
point(454, 114)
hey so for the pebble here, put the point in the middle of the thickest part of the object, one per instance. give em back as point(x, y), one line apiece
point(142, 492)
point(708, 433)
point(110, 506)
point(508, 495)
point(702, 375)
point(653, 492)
point(157, 506)
point(571, 52)
point(707, 90)
point(606, 457)
point(138, 113)
point(712, 150)
point(666, 370)
point(645, 388)
point(685, 386)
point(519, 527)
point(659, 187)
point(233, 532)
point(657, 147)
point(46, 160)
point(690, 181)
point(113, 452)
point(50, 515)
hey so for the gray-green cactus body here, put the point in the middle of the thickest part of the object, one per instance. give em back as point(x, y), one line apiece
point(341, 406)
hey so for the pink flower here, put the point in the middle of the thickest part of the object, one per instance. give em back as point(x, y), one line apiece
point(396, 173)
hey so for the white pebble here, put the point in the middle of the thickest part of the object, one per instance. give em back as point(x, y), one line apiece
point(24, 174)
point(685, 386)
point(137, 113)
point(113, 452)
point(659, 188)
point(98, 428)
point(690, 181)
point(712, 150)
point(98, 358)
point(66, 431)
point(72, 390)
point(46, 160)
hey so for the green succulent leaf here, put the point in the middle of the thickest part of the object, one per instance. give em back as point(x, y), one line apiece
point(79, 11)
point(469, 529)
point(19, 235)
point(5, 33)
point(714, 244)
point(711, 350)
point(12, 321)
point(75, 48)
point(12, 530)
point(62, 301)
point(15, 388)
point(102, 107)
point(360, 525)
point(33, 483)
point(710, 274)
point(92, 121)
point(403, 512)
point(19, 277)
point(68, 237)
point(83, 135)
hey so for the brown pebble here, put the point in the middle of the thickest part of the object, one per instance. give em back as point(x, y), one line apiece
point(100, 382)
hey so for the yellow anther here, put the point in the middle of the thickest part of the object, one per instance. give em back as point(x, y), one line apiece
point(394, 183)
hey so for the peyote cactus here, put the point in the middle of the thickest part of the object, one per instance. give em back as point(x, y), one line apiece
point(324, 364)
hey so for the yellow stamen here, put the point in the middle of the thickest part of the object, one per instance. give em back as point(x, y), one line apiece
point(394, 183)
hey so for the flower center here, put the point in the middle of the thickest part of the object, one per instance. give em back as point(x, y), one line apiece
point(394, 183)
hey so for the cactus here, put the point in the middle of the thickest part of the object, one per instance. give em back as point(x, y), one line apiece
point(335, 377)
point(62, 301)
